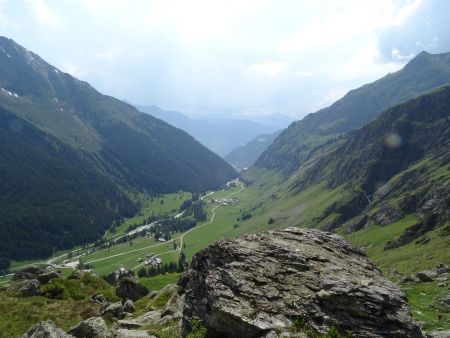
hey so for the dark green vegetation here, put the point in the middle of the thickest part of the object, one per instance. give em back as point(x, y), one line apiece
point(360, 106)
point(245, 155)
point(72, 159)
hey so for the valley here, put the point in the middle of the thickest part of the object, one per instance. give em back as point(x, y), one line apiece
point(114, 218)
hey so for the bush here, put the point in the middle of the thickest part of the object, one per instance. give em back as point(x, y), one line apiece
point(55, 290)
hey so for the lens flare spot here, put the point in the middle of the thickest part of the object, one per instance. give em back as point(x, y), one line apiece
point(393, 140)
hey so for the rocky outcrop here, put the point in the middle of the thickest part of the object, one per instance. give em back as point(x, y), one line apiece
point(387, 215)
point(426, 276)
point(120, 309)
point(33, 272)
point(128, 287)
point(261, 284)
point(46, 277)
point(46, 329)
point(28, 273)
point(94, 327)
point(439, 334)
point(27, 288)
point(446, 300)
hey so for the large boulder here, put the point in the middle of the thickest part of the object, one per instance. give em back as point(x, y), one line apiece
point(29, 273)
point(426, 276)
point(129, 288)
point(46, 329)
point(27, 287)
point(46, 277)
point(120, 309)
point(439, 334)
point(94, 327)
point(270, 282)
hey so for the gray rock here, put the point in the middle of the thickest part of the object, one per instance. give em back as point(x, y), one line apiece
point(409, 279)
point(27, 287)
point(250, 286)
point(442, 285)
point(446, 300)
point(48, 276)
point(174, 306)
point(125, 333)
point(129, 288)
point(128, 324)
point(94, 327)
point(442, 268)
point(99, 299)
point(439, 334)
point(119, 310)
point(46, 329)
point(115, 309)
point(426, 276)
point(128, 306)
point(387, 215)
point(149, 317)
point(29, 273)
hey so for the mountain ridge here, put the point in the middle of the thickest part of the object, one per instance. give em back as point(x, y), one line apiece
point(119, 150)
point(358, 107)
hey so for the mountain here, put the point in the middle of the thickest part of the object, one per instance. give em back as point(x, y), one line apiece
point(245, 155)
point(385, 186)
point(395, 165)
point(71, 158)
point(219, 135)
point(357, 108)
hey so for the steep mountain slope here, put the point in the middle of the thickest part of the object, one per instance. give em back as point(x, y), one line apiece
point(245, 155)
point(70, 156)
point(385, 187)
point(360, 106)
point(219, 135)
point(395, 172)
point(394, 165)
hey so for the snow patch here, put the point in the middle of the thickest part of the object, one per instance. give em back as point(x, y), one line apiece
point(4, 51)
point(9, 93)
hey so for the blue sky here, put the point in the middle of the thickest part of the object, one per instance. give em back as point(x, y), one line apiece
point(240, 58)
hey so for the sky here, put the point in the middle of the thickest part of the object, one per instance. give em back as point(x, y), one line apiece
point(228, 58)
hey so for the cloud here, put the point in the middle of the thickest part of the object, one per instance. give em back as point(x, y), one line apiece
point(212, 56)
point(109, 54)
point(422, 26)
point(43, 12)
point(270, 69)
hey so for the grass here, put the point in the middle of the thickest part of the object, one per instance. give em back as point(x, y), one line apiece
point(156, 283)
point(424, 298)
point(425, 301)
point(18, 314)
point(267, 199)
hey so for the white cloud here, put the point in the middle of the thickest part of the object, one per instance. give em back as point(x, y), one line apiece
point(396, 55)
point(302, 73)
point(43, 12)
point(270, 69)
point(210, 56)
point(110, 54)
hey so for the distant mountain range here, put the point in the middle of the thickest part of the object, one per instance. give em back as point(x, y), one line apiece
point(71, 158)
point(359, 107)
point(245, 156)
point(220, 135)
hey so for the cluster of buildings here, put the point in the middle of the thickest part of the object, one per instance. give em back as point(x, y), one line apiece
point(152, 260)
point(227, 201)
